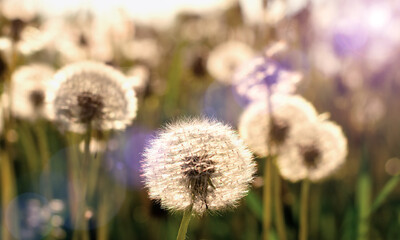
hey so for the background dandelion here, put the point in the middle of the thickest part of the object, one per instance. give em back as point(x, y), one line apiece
point(313, 151)
point(286, 113)
point(93, 92)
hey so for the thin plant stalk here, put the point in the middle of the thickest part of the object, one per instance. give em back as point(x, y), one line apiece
point(40, 130)
point(363, 196)
point(384, 193)
point(280, 221)
point(268, 178)
point(305, 189)
point(267, 198)
point(364, 205)
point(27, 141)
point(80, 218)
point(7, 178)
point(187, 214)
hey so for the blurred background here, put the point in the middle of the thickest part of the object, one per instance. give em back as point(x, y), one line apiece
point(181, 56)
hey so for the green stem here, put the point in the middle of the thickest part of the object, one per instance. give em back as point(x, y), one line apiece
point(280, 220)
point(83, 185)
point(44, 154)
point(184, 224)
point(267, 198)
point(364, 205)
point(305, 188)
point(384, 193)
point(28, 144)
point(8, 189)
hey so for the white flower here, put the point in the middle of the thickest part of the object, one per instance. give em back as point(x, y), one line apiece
point(225, 58)
point(30, 85)
point(313, 151)
point(198, 162)
point(288, 112)
point(92, 92)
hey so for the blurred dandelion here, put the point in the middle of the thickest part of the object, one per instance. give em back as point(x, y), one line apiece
point(314, 151)
point(225, 58)
point(91, 92)
point(139, 75)
point(200, 163)
point(18, 9)
point(30, 84)
point(288, 113)
point(146, 50)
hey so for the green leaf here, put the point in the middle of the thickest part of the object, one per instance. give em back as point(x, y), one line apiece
point(387, 189)
point(254, 203)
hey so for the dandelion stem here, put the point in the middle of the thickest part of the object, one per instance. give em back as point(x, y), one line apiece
point(7, 178)
point(267, 177)
point(40, 129)
point(280, 221)
point(83, 180)
point(267, 198)
point(187, 214)
point(305, 189)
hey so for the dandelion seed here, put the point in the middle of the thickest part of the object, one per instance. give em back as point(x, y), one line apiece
point(91, 92)
point(288, 112)
point(30, 84)
point(200, 163)
point(314, 151)
point(225, 58)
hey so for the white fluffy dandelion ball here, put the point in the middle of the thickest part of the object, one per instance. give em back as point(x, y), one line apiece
point(287, 112)
point(225, 58)
point(30, 85)
point(200, 163)
point(314, 151)
point(92, 92)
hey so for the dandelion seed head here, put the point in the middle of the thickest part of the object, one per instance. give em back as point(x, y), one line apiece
point(313, 151)
point(288, 112)
point(225, 58)
point(30, 84)
point(197, 162)
point(93, 92)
